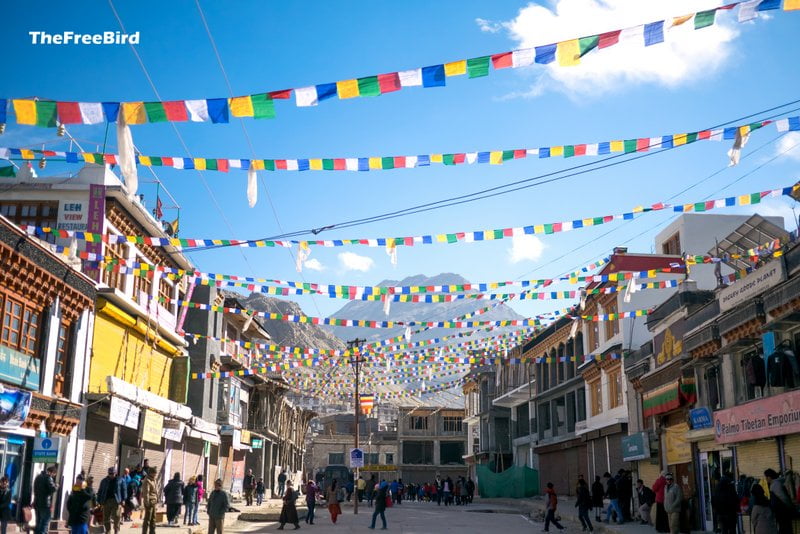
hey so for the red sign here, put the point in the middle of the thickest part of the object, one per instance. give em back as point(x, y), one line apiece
point(772, 416)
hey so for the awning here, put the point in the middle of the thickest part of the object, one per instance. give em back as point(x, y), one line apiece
point(211, 438)
point(147, 399)
point(669, 397)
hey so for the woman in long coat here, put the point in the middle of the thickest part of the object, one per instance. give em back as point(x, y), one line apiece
point(332, 496)
point(289, 510)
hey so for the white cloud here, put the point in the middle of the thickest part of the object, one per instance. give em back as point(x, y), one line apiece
point(488, 26)
point(353, 262)
point(686, 56)
point(790, 144)
point(525, 248)
point(314, 265)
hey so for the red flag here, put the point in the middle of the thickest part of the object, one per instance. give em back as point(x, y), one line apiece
point(158, 211)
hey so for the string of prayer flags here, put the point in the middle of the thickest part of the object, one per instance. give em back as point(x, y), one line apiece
point(568, 53)
point(429, 239)
point(378, 163)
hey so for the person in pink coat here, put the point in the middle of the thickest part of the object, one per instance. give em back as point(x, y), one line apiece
point(201, 491)
point(662, 521)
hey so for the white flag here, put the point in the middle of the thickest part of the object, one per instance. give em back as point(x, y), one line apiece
point(127, 156)
point(252, 187)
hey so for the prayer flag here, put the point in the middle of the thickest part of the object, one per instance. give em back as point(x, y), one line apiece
point(433, 76)
point(306, 96)
point(198, 110)
point(704, 19)
point(586, 44)
point(263, 106)
point(46, 114)
point(176, 111)
point(155, 112)
point(410, 78)
point(545, 54)
point(69, 113)
point(455, 68)
point(389, 82)
point(241, 106)
point(502, 61)
point(217, 109)
point(133, 113)
point(326, 91)
point(369, 86)
point(654, 33)
point(608, 39)
point(25, 111)
point(791, 5)
point(767, 5)
point(523, 58)
point(347, 88)
point(479, 66)
point(569, 53)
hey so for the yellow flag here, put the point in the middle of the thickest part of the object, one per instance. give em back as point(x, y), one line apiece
point(241, 106)
point(456, 68)
point(791, 5)
point(568, 53)
point(26, 111)
point(347, 88)
point(133, 112)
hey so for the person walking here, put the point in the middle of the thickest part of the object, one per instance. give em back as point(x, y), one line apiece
point(201, 492)
point(289, 510)
point(361, 487)
point(597, 498)
point(779, 501)
point(190, 501)
point(5, 505)
point(332, 496)
point(584, 504)
point(173, 497)
point(470, 490)
point(761, 518)
point(659, 488)
point(646, 499)
point(249, 487)
point(131, 495)
point(260, 491)
point(111, 495)
point(311, 501)
point(552, 505)
point(625, 492)
point(44, 486)
point(370, 490)
point(725, 503)
point(218, 505)
point(79, 507)
point(281, 483)
point(613, 499)
point(673, 499)
point(380, 505)
point(149, 501)
point(447, 490)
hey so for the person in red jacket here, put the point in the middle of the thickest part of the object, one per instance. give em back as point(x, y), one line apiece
point(552, 506)
point(662, 521)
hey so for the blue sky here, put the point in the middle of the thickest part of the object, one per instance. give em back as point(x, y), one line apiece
point(721, 73)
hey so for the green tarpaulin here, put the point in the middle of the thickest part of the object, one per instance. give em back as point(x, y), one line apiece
point(514, 482)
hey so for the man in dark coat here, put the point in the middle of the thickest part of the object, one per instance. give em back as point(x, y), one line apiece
point(597, 497)
point(380, 505)
point(173, 497)
point(249, 486)
point(111, 495)
point(44, 486)
point(725, 502)
point(289, 510)
point(79, 508)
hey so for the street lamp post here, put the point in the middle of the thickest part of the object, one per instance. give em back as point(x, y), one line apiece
point(356, 360)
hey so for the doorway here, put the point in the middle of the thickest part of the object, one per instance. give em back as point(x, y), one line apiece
point(713, 465)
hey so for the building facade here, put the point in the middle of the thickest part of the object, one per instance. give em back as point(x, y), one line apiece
point(431, 442)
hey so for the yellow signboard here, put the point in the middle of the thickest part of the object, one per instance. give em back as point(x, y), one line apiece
point(153, 427)
point(379, 468)
point(245, 437)
point(678, 449)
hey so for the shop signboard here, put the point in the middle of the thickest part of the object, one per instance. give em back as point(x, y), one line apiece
point(378, 468)
point(751, 285)
point(678, 449)
point(124, 413)
point(14, 407)
point(772, 416)
point(701, 418)
point(19, 368)
point(45, 450)
point(152, 427)
point(668, 344)
point(73, 214)
point(173, 430)
point(636, 447)
point(257, 443)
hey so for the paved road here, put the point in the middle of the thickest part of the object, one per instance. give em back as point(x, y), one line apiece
point(413, 518)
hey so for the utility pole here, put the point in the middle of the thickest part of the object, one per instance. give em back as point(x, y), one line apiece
point(356, 360)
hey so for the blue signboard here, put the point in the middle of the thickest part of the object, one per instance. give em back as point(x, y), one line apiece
point(356, 458)
point(636, 447)
point(19, 368)
point(701, 418)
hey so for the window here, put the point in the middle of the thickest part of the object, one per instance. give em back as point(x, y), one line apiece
point(559, 417)
point(580, 405)
point(61, 367)
point(523, 421)
point(143, 284)
point(571, 360)
point(571, 411)
point(335, 458)
point(418, 422)
point(165, 294)
point(553, 365)
point(113, 278)
point(451, 452)
point(753, 376)
point(596, 394)
point(389, 458)
point(20, 326)
point(594, 336)
point(614, 388)
point(452, 424)
point(41, 214)
point(544, 419)
point(418, 452)
point(612, 326)
point(712, 380)
point(561, 363)
point(371, 458)
point(672, 245)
